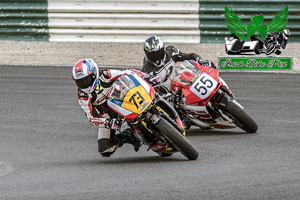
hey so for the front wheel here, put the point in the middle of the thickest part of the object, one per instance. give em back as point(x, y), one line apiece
point(240, 117)
point(183, 145)
point(270, 49)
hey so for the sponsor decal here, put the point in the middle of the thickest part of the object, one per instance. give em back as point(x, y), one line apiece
point(79, 73)
point(157, 147)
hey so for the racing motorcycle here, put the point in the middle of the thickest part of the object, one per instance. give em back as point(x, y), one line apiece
point(155, 121)
point(202, 98)
point(274, 42)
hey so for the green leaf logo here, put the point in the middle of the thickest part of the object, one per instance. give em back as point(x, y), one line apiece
point(256, 26)
point(236, 26)
point(263, 30)
point(251, 29)
point(257, 20)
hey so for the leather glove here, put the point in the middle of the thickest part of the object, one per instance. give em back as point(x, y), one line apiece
point(112, 124)
point(152, 79)
point(197, 58)
point(95, 121)
point(207, 63)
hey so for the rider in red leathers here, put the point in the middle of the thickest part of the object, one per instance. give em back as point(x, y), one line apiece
point(94, 87)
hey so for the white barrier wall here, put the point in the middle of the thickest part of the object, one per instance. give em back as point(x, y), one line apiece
point(123, 20)
point(186, 21)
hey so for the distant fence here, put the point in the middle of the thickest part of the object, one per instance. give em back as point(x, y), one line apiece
point(185, 21)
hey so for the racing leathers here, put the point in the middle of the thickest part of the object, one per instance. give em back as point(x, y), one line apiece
point(102, 116)
point(167, 71)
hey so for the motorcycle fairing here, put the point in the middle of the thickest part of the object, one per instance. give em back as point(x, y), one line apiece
point(116, 106)
point(235, 46)
point(202, 88)
point(136, 100)
point(131, 96)
point(157, 147)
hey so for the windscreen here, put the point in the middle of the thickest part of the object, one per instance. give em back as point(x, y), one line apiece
point(121, 86)
point(186, 72)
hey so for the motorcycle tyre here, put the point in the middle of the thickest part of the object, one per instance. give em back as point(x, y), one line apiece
point(270, 49)
point(241, 118)
point(183, 145)
point(257, 51)
point(277, 52)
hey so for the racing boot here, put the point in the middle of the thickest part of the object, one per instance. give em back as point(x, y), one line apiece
point(106, 146)
point(127, 136)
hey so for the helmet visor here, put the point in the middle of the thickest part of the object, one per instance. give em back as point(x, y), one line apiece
point(156, 55)
point(86, 81)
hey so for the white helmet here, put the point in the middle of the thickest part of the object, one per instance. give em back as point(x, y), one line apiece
point(85, 73)
point(286, 33)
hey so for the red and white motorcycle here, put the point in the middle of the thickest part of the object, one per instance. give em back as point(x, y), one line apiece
point(203, 99)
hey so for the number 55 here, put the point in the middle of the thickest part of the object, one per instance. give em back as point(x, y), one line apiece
point(198, 87)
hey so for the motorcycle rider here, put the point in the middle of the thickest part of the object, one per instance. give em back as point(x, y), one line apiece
point(281, 39)
point(94, 88)
point(160, 60)
point(285, 36)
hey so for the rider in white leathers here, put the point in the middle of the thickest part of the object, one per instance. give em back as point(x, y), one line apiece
point(94, 87)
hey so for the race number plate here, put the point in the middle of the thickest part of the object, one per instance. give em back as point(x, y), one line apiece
point(204, 86)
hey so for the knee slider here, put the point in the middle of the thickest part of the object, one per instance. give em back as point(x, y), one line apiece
point(107, 147)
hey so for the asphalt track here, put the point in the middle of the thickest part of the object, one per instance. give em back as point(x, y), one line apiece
point(49, 150)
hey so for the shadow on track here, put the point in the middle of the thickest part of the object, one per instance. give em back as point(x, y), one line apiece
point(141, 160)
point(214, 132)
point(114, 160)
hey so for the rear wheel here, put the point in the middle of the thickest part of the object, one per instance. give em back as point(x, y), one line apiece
point(240, 117)
point(183, 145)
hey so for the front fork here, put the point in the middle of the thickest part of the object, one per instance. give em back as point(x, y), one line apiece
point(153, 117)
point(142, 128)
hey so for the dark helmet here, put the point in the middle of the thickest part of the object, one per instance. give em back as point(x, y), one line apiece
point(155, 50)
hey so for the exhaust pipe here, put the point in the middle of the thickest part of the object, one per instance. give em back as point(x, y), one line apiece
point(199, 123)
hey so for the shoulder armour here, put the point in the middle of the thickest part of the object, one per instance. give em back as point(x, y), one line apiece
point(106, 73)
point(82, 95)
point(173, 50)
point(171, 47)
